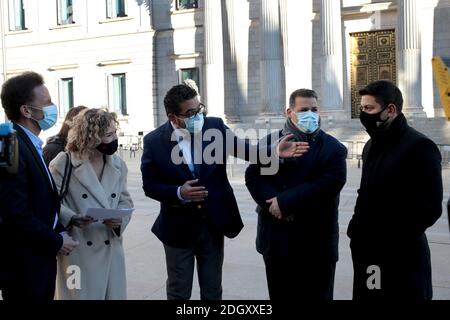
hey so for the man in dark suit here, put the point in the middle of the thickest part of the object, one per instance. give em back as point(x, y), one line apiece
point(30, 235)
point(298, 207)
point(185, 171)
point(399, 198)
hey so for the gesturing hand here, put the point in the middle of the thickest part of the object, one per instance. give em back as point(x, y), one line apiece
point(291, 149)
point(190, 193)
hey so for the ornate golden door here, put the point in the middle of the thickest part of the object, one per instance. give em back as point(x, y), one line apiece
point(372, 58)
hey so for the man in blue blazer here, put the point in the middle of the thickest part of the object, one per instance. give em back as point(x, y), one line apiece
point(30, 234)
point(183, 170)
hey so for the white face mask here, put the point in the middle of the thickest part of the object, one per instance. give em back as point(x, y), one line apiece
point(308, 121)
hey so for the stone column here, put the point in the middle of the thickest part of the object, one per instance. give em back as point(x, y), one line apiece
point(237, 66)
point(409, 57)
point(272, 94)
point(427, 38)
point(214, 72)
point(332, 60)
point(296, 24)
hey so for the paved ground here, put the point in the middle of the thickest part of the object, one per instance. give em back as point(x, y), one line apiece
point(243, 271)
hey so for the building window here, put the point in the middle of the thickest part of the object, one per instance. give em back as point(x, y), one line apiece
point(187, 4)
point(65, 96)
point(118, 94)
point(16, 15)
point(115, 9)
point(190, 76)
point(65, 12)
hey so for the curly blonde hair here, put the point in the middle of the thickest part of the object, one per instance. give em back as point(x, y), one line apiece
point(87, 130)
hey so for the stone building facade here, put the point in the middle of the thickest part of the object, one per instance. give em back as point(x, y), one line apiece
point(245, 56)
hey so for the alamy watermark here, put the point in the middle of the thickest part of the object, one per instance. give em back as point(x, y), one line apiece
point(234, 147)
point(73, 281)
point(374, 280)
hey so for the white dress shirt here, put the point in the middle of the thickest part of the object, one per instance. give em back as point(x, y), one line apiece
point(184, 142)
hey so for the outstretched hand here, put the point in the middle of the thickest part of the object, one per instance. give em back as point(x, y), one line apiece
point(291, 149)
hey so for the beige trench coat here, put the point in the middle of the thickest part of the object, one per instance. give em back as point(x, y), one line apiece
point(99, 256)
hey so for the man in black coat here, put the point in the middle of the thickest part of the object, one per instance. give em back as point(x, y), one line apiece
point(298, 207)
point(184, 168)
point(399, 198)
point(30, 235)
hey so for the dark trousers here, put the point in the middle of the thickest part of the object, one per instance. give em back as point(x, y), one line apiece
point(404, 274)
point(27, 285)
point(290, 278)
point(208, 251)
point(25, 294)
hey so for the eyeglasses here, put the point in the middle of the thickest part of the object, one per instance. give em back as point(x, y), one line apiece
point(39, 108)
point(193, 112)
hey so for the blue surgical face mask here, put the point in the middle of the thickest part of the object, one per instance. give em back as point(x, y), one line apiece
point(50, 116)
point(195, 123)
point(308, 121)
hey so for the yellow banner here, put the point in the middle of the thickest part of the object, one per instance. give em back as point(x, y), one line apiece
point(442, 77)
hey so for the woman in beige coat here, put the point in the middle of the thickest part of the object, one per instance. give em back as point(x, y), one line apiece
point(95, 270)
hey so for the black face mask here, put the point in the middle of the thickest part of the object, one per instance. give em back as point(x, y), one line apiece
point(108, 148)
point(370, 121)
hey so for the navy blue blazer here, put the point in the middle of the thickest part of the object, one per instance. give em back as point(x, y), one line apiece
point(28, 242)
point(178, 224)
